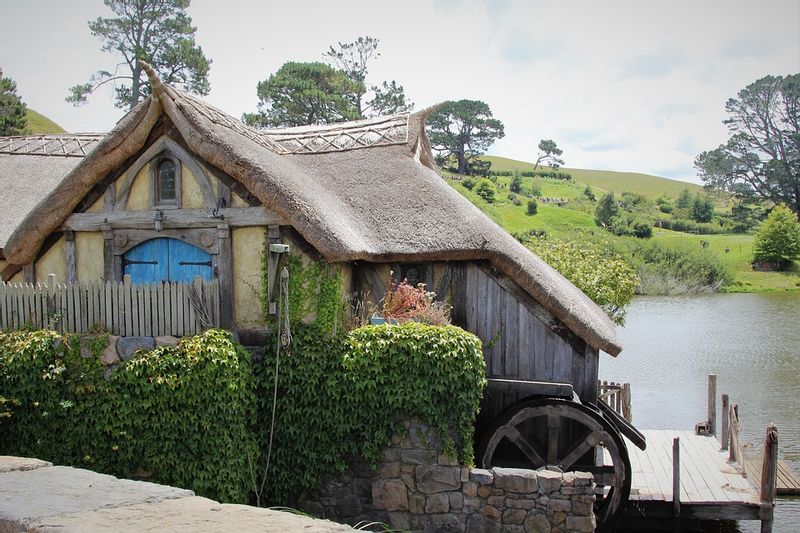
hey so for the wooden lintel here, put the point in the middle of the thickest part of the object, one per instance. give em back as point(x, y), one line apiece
point(173, 218)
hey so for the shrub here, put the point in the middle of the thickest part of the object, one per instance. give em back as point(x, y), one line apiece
point(468, 183)
point(486, 191)
point(183, 414)
point(536, 187)
point(516, 183)
point(675, 268)
point(631, 225)
point(588, 193)
point(607, 208)
point(597, 270)
point(516, 201)
point(344, 395)
point(405, 303)
point(778, 239)
point(533, 206)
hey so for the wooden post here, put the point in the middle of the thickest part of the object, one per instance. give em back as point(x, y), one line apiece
point(69, 245)
point(676, 482)
point(726, 413)
point(712, 404)
point(627, 410)
point(734, 430)
point(769, 476)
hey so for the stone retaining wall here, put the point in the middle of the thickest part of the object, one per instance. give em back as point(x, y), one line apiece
point(417, 488)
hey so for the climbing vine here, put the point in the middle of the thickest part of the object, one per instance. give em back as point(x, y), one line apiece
point(346, 396)
point(180, 416)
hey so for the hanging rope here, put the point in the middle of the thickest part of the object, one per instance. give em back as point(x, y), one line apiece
point(285, 341)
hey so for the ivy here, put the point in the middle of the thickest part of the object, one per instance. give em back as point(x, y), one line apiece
point(181, 416)
point(346, 395)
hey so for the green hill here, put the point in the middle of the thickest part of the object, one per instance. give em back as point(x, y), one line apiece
point(39, 124)
point(609, 180)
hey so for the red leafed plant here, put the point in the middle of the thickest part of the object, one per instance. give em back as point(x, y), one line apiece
point(404, 302)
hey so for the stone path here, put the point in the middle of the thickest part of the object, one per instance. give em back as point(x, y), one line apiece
point(37, 496)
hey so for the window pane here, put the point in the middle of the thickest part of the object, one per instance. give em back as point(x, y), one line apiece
point(166, 181)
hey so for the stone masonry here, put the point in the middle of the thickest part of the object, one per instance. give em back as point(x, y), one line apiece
point(417, 488)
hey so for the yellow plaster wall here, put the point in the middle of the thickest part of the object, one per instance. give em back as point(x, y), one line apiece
point(248, 245)
point(139, 196)
point(97, 207)
point(89, 255)
point(3, 265)
point(54, 261)
point(191, 193)
point(236, 201)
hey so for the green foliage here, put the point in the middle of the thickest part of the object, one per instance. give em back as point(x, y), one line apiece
point(684, 201)
point(760, 159)
point(305, 93)
point(12, 109)
point(314, 293)
point(536, 187)
point(39, 124)
point(690, 226)
point(486, 190)
point(181, 414)
point(702, 209)
point(463, 129)
point(778, 239)
point(533, 207)
point(588, 193)
point(346, 395)
point(549, 153)
point(597, 270)
point(468, 183)
point(631, 224)
point(352, 58)
point(156, 31)
point(607, 208)
point(516, 183)
point(675, 268)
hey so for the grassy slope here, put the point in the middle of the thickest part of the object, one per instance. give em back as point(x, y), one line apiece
point(616, 182)
point(569, 223)
point(39, 124)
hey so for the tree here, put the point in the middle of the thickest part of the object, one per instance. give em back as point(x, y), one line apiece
point(352, 58)
point(684, 200)
point(516, 182)
point(702, 209)
point(607, 209)
point(533, 206)
point(588, 193)
point(762, 156)
point(12, 108)
point(463, 129)
point(778, 239)
point(304, 93)
point(549, 153)
point(486, 191)
point(156, 31)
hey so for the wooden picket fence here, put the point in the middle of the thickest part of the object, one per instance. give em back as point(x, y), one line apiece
point(121, 308)
point(617, 396)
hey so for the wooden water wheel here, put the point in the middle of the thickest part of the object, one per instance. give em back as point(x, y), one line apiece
point(565, 435)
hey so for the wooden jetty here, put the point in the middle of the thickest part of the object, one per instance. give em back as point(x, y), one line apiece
point(687, 476)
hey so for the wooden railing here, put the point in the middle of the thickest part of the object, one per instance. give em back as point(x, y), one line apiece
point(121, 308)
point(617, 396)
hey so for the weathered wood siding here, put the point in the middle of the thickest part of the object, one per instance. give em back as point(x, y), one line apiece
point(521, 339)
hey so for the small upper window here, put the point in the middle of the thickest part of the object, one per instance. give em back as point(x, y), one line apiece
point(166, 184)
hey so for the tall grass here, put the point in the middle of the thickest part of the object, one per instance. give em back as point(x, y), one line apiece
point(671, 268)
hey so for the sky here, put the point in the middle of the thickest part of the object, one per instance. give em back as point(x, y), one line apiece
point(635, 86)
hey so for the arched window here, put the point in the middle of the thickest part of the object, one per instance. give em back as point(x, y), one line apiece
point(166, 183)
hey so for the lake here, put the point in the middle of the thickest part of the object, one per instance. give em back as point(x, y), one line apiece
point(752, 343)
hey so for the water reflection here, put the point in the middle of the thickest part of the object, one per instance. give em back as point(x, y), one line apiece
point(751, 341)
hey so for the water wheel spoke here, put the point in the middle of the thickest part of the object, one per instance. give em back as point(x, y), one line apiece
point(580, 449)
point(524, 446)
point(553, 429)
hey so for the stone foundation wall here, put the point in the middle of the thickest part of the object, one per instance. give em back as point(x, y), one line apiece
point(417, 488)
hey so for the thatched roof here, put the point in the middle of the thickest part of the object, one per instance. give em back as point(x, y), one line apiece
point(31, 167)
point(358, 191)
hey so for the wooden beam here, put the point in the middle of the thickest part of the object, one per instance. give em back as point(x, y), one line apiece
point(712, 404)
point(769, 477)
point(109, 270)
point(676, 479)
point(69, 242)
point(726, 418)
point(173, 218)
point(29, 273)
point(528, 388)
point(225, 275)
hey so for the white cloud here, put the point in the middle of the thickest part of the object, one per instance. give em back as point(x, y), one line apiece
point(624, 85)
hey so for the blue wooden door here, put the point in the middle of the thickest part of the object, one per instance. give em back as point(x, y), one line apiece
point(166, 259)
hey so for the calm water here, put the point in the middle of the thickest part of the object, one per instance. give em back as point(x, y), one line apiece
point(752, 343)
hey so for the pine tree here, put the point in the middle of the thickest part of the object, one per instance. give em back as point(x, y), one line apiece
point(12, 108)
